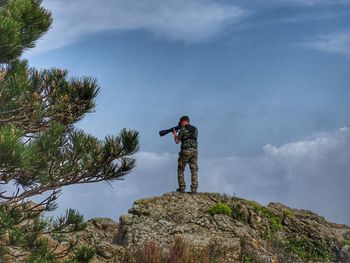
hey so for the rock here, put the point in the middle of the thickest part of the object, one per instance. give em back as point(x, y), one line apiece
point(251, 233)
point(100, 233)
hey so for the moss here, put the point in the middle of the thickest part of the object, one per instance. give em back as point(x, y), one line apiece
point(239, 213)
point(308, 249)
point(288, 213)
point(275, 221)
point(246, 259)
point(345, 242)
point(220, 208)
point(254, 204)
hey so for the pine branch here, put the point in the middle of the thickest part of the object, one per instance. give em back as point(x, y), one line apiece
point(73, 158)
point(22, 22)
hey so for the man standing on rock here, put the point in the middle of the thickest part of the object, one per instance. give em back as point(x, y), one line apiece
point(187, 134)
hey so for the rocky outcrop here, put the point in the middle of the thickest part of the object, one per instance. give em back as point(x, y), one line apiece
point(244, 229)
point(227, 229)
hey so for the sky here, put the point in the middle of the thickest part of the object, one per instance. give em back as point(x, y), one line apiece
point(266, 82)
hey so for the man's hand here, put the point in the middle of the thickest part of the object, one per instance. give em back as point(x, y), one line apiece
point(176, 139)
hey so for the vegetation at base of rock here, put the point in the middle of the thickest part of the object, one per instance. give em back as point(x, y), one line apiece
point(246, 259)
point(345, 242)
point(307, 249)
point(85, 254)
point(220, 208)
point(288, 214)
point(301, 248)
point(275, 221)
point(180, 251)
point(239, 213)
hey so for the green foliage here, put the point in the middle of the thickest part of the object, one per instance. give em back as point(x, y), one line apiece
point(11, 148)
point(254, 204)
point(8, 217)
point(60, 228)
point(42, 253)
point(19, 233)
point(220, 208)
point(25, 230)
point(309, 249)
point(72, 221)
point(85, 254)
point(22, 22)
point(238, 213)
point(288, 213)
point(15, 237)
point(246, 259)
point(345, 242)
point(3, 251)
point(39, 147)
point(275, 221)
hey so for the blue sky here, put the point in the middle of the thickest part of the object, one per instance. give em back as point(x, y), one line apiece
point(265, 81)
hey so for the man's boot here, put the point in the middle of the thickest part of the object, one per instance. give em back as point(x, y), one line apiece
point(180, 190)
point(193, 191)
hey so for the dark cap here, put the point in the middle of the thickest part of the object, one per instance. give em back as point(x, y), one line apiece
point(184, 118)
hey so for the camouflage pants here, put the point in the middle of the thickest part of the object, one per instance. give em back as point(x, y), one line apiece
point(188, 156)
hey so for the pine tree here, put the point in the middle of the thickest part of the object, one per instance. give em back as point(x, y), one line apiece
point(40, 148)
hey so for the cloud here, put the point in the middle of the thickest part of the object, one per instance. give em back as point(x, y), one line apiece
point(310, 174)
point(338, 43)
point(312, 17)
point(189, 21)
point(314, 2)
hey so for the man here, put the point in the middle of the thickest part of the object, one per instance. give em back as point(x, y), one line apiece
point(187, 135)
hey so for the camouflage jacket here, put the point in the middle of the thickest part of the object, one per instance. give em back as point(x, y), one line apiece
point(188, 136)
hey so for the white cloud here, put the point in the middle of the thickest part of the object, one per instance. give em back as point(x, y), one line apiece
point(315, 2)
point(304, 2)
point(176, 20)
point(335, 43)
point(312, 17)
point(312, 174)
